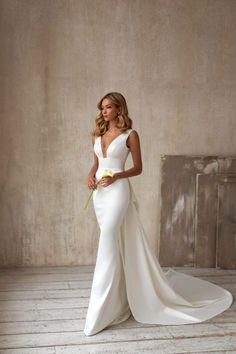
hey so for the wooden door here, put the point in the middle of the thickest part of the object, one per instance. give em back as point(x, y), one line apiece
point(198, 211)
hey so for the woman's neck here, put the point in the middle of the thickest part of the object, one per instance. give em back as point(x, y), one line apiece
point(112, 127)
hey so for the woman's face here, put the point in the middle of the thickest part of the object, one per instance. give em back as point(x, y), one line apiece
point(109, 110)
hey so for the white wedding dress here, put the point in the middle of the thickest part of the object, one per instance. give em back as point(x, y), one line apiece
point(127, 276)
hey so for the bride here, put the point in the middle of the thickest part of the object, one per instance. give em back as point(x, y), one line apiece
point(128, 278)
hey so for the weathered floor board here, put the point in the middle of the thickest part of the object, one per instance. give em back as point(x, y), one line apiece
point(43, 309)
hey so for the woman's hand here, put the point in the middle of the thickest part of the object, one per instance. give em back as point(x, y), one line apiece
point(91, 182)
point(106, 181)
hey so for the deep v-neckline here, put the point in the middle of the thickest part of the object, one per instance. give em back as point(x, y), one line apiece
point(108, 144)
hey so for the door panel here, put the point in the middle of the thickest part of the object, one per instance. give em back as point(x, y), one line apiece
point(198, 211)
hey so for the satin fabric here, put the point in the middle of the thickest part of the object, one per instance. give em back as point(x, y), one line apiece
point(127, 275)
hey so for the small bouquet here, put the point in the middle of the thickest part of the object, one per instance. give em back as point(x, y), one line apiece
point(106, 173)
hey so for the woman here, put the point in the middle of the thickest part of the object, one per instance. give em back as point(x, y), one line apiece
point(127, 277)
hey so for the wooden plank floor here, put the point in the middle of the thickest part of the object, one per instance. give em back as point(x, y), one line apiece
point(43, 309)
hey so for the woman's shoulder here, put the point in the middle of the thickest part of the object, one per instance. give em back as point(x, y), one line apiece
point(94, 137)
point(132, 132)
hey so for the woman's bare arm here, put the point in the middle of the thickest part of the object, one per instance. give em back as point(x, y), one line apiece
point(134, 145)
point(90, 178)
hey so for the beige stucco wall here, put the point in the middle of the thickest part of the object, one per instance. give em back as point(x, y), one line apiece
point(174, 60)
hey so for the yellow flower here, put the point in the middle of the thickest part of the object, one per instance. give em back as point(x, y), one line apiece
point(106, 173)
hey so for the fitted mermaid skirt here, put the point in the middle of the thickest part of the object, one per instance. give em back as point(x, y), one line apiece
point(128, 278)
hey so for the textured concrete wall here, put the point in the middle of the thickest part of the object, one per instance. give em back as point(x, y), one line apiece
point(174, 60)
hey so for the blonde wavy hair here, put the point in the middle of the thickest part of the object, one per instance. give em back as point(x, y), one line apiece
point(124, 121)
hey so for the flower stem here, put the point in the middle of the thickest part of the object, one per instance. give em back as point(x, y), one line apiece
point(89, 197)
point(106, 173)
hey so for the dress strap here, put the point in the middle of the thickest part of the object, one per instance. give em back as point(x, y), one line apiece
point(129, 131)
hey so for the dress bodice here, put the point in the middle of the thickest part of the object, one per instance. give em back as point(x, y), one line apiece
point(116, 154)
